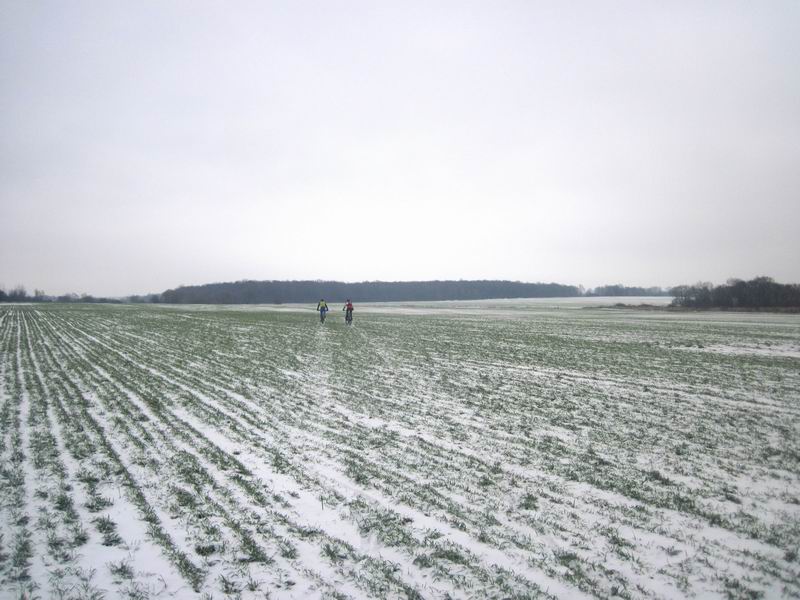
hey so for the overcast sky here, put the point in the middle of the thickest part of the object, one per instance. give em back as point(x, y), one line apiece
point(145, 145)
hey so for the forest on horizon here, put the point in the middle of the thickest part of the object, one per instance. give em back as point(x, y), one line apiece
point(760, 292)
point(304, 291)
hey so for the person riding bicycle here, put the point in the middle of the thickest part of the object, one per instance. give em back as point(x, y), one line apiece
point(348, 315)
point(322, 307)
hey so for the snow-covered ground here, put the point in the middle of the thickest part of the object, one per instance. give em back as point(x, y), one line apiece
point(492, 449)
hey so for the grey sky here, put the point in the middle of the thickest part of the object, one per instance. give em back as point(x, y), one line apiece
point(150, 144)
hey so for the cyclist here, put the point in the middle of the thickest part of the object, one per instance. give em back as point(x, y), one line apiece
point(348, 315)
point(322, 307)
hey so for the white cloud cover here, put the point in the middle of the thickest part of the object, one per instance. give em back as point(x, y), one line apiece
point(149, 144)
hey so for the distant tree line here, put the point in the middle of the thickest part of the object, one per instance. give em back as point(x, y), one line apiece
point(20, 294)
point(621, 290)
point(279, 292)
point(144, 299)
point(761, 292)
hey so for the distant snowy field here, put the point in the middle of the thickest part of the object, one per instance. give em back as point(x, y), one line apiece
point(492, 449)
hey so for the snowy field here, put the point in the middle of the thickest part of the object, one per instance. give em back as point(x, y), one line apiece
point(504, 449)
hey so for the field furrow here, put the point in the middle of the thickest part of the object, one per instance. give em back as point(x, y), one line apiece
point(428, 451)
